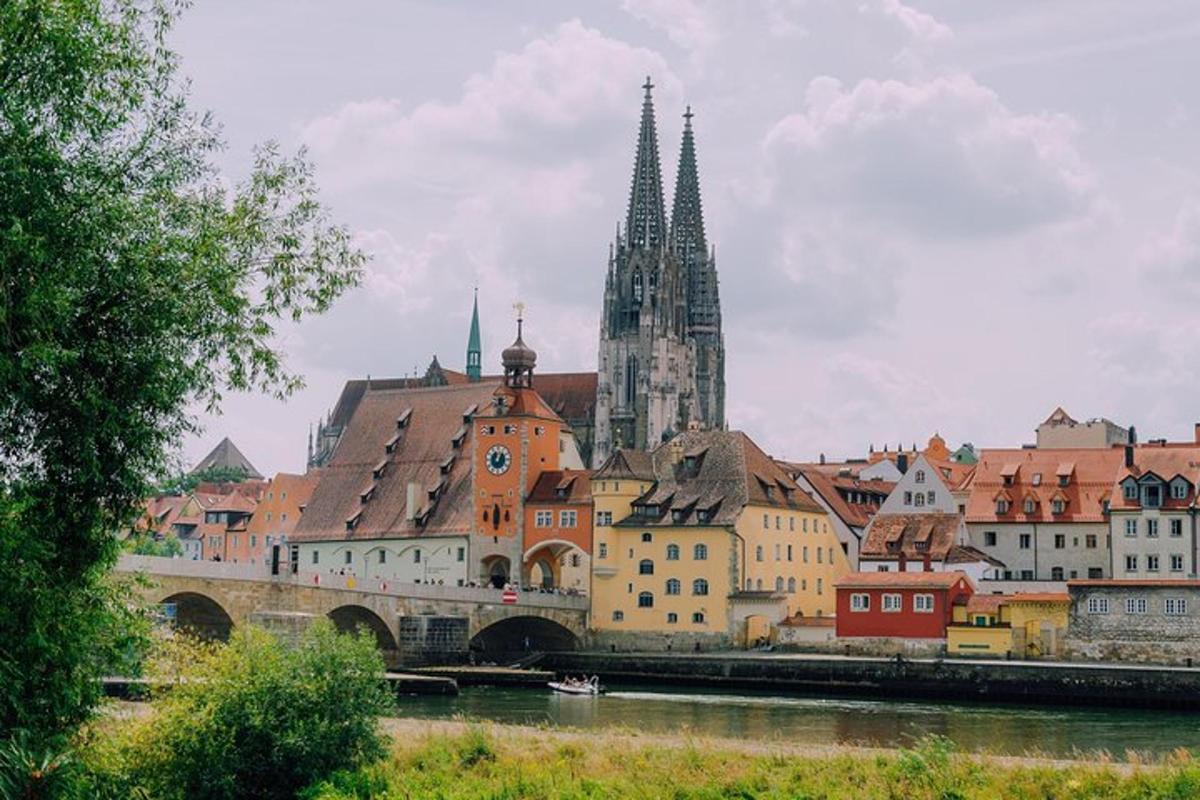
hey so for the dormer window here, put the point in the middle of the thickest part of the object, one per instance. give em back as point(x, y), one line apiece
point(1179, 490)
point(1064, 480)
point(677, 515)
point(1037, 479)
point(1152, 495)
point(1008, 480)
point(1058, 506)
point(1130, 490)
point(1001, 506)
point(921, 545)
point(1030, 505)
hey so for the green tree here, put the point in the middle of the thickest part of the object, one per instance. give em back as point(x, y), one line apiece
point(143, 543)
point(188, 481)
point(134, 284)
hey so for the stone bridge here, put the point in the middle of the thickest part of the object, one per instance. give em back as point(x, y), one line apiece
point(412, 623)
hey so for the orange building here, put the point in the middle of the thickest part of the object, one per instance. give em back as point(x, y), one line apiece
point(264, 538)
point(558, 530)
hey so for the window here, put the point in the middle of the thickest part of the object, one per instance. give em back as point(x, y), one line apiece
point(892, 602)
point(989, 538)
point(645, 600)
point(1152, 563)
point(1064, 480)
point(819, 553)
point(804, 554)
point(931, 497)
point(1026, 574)
point(1060, 541)
point(576, 560)
point(253, 540)
point(1097, 605)
point(1176, 563)
point(919, 499)
point(316, 559)
point(805, 523)
point(567, 519)
point(1136, 605)
point(618, 616)
point(645, 567)
point(673, 586)
point(382, 556)
point(349, 557)
point(1131, 527)
point(778, 552)
point(543, 519)
point(1177, 527)
point(1056, 573)
point(1001, 506)
point(791, 523)
point(602, 550)
point(646, 537)
point(1030, 505)
point(1090, 541)
point(1057, 506)
point(766, 520)
point(1152, 495)
point(1037, 479)
point(923, 603)
point(417, 556)
point(672, 618)
point(283, 517)
point(698, 618)
point(758, 553)
point(672, 552)
point(604, 518)
point(789, 552)
point(791, 586)
point(1025, 541)
point(919, 476)
point(700, 552)
point(1130, 490)
point(699, 586)
point(860, 602)
point(778, 522)
point(1095, 573)
point(908, 498)
point(1178, 490)
point(1131, 563)
point(1175, 606)
point(1152, 527)
point(461, 555)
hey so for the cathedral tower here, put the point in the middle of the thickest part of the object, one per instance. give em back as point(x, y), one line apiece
point(646, 387)
point(699, 265)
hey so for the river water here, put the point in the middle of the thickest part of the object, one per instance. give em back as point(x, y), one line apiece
point(997, 729)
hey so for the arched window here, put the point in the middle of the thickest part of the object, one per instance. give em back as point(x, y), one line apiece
point(631, 377)
point(700, 586)
point(778, 583)
point(791, 585)
point(672, 552)
point(673, 586)
point(749, 584)
point(645, 600)
point(919, 477)
point(637, 286)
point(646, 537)
point(758, 584)
point(700, 552)
point(645, 567)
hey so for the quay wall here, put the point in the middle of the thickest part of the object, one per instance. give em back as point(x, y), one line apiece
point(930, 679)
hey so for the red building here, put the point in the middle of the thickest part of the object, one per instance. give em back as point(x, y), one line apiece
point(899, 605)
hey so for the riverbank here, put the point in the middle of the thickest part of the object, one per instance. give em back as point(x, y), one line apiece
point(1027, 682)
point(452, 759)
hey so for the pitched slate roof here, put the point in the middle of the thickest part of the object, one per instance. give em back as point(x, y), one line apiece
point(1033, 472)
point(226, 454)
point(714, 474)
point(626, 464)
point(378, 456)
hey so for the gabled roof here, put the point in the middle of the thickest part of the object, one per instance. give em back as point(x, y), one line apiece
point(902, 580)
point(833, 489)
point(444, 501)
point(227, 455)
point(1089, 484)
point(569, 486)
point(890, 535)
point(1167, 461)
point(626, 464)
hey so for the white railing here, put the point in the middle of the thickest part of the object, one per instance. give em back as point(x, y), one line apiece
point(219, 570)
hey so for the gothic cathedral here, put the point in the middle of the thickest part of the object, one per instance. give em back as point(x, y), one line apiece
point(662, 354)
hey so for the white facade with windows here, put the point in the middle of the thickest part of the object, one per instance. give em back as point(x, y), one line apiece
point(441, 560)
point(921, 489)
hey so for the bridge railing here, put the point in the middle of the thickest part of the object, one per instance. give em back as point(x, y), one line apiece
point(220, 570)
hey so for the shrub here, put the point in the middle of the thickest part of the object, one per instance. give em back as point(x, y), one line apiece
point(33, 770)
point(258, 718)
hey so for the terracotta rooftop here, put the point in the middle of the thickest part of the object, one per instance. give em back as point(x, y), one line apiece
point(839, 490)
point(901, 580)
point(568, 486)
point(708, 478)
point(913, 535)
point(1166, 461)
point(985, 603)
point(1020, 474)
point(397, 437)
point(1133, 583)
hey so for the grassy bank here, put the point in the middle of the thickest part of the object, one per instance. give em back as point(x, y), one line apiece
point(456, 760)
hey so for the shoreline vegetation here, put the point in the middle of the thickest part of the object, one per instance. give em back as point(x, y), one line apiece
point(460, 759)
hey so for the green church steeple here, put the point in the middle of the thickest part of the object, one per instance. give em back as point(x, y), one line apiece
point(474, 348)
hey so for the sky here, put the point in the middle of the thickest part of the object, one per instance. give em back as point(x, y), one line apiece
point(929, 216)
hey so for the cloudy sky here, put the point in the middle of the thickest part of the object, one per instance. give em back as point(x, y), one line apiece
point(929, 216)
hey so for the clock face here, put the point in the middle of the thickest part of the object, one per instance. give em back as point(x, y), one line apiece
point(498, 459)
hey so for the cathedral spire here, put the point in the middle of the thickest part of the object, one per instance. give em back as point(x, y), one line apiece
point(687, 214)
point(645, 225)
point(474, 347)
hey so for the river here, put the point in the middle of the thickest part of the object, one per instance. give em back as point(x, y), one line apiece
point(997, 729)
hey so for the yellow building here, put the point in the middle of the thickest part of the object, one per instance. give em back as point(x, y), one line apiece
point(1029, 625)
point(705, 541)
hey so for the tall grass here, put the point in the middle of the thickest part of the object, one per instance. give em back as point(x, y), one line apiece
point(500, 763)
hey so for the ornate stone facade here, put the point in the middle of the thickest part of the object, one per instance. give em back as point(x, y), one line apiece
point(662, 355)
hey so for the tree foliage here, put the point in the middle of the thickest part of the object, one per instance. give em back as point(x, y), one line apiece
point(188, 481)
point(135, 282)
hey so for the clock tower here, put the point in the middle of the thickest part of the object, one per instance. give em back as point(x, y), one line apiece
point(516, 440)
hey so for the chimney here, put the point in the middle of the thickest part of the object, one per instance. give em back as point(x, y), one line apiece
point(411, 500)
point(1197, 439)
point(925, 562)
point(903, 561)
point(1128, 455)
point(1196, 433)
point(902, 462)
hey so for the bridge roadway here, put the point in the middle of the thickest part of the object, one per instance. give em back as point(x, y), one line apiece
point(412, 623)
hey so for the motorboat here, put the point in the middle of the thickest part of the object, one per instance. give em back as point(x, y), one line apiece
point(583, 686)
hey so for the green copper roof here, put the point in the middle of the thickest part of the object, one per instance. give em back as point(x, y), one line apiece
point(474, 345)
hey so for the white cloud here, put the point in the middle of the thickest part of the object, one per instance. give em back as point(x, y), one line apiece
point(918, 23)
point(687, 23)
point(944, 156)
point(1171, 260)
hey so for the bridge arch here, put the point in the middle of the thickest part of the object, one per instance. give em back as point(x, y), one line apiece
point(200, 615)
point(555, 563)
point(512, 637)
point(352, 618)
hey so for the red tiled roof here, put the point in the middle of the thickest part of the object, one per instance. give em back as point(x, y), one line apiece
point(1114, 582)
point(1033, 472)
point(901, 580)
point(985, 603)
point(575, 485)
point(833, 490)
point(889, 535)
point(1166, 461)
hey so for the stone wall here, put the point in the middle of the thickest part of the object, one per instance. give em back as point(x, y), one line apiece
point(653, 641)
point(428, 639)
point(1117, 635)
